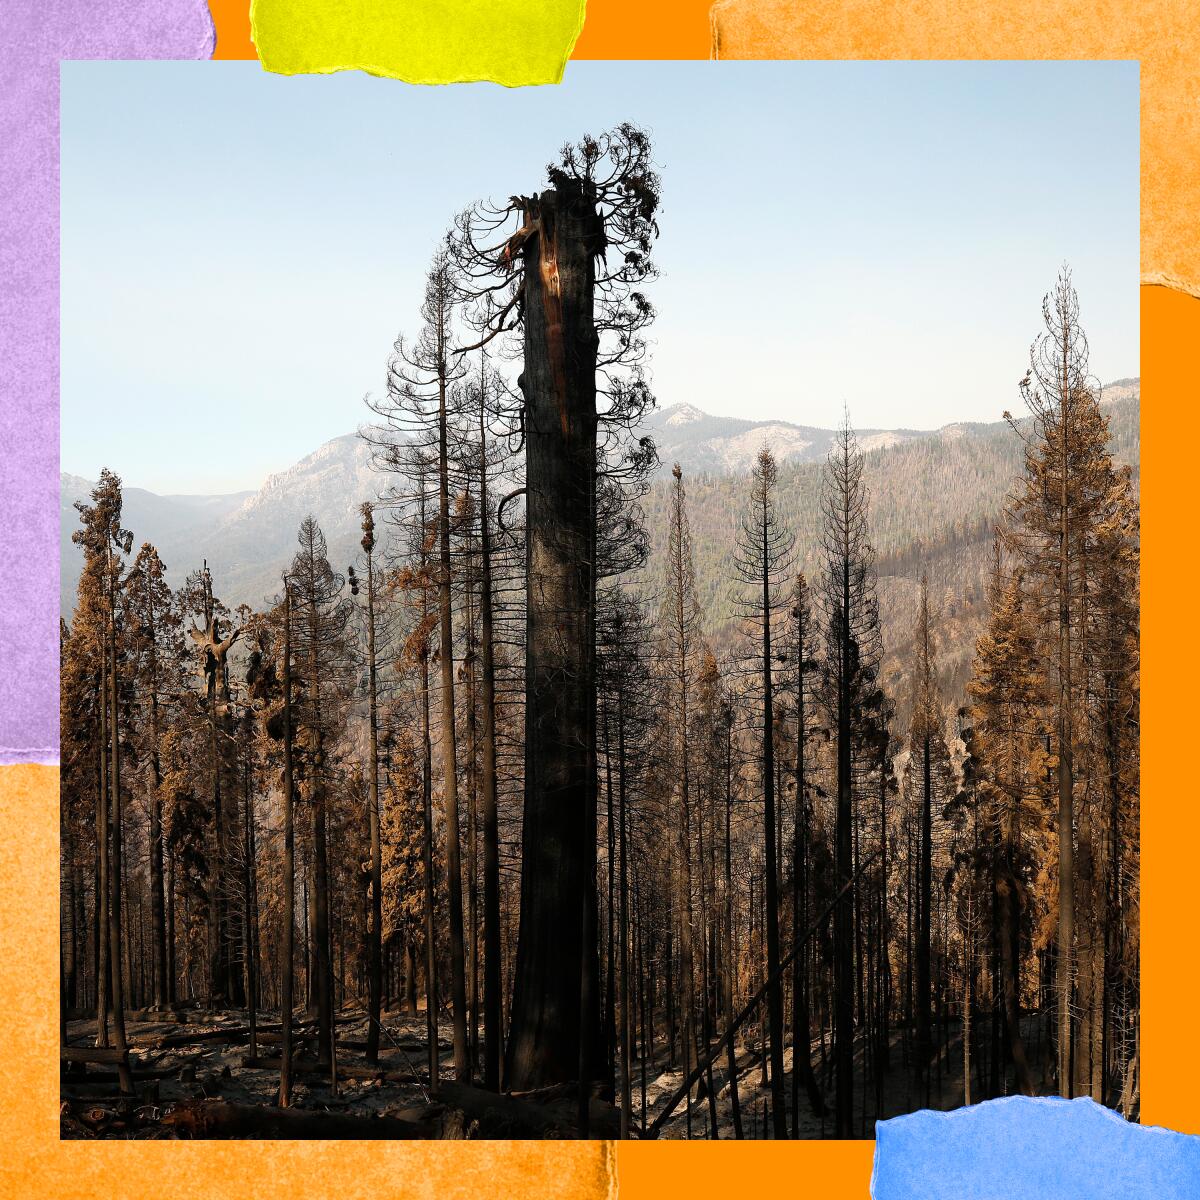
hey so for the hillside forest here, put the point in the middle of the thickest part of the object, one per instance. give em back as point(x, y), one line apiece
point(550, 816)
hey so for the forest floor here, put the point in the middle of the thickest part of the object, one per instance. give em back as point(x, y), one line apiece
point(901, 1093)
point(204, 1057)
point(193, 1078)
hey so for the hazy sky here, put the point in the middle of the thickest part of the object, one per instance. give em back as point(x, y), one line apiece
point(240, 250)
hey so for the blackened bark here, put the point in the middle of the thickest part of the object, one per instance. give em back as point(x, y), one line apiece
point(492, 1001)
point(730, 946)
point(158, 927)
point(287, 941)
point(321, 957)
point(458, 981)
point(375, 941)
point(170, 919)
point(431, 987)
point(775, 990)
point(626, 1011)
point(558, 382)
point(101, 904)
point(114, 871)
point(802, 1070)
point(102, 861)
point(1009, 901)
point(843, 915)
point(924, 922)
point(70, 953)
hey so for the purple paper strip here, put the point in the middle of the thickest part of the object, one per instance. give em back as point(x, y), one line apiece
point(37, 36)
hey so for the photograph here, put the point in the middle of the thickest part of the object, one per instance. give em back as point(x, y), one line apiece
point(604, 611)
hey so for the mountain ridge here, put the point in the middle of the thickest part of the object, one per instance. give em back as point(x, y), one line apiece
point(248, 536)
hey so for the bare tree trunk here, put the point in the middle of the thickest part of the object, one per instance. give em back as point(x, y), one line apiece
point(157, 907)
point(171, 993)
point(458, 984)
point(492, 992)
point(802, 1069)
point(771, 854)
point(114, 872)
point(321, 936)
point(287, 940)
point(431, 987)
point(730, 944)
point(218, 983)
point(102, 885)
point(626, 1011)
point(610, 957)
point(966, 1023)
point(70, 956)
point(683, 853)
point(843, 916)
point(473, 860)
point(410, 978)
point(885, 961)
point(375, 940)
point(925, 902)
point(1091, 983)
point(1010, 931)
point(1066, 779)
point(558, 869)
point(248, 948)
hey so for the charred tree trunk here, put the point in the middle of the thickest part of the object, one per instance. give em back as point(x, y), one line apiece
point(492, 994)
point(843, 914)
point(1010, 918)
point(70, 954)
point(1066, 771)
point(249, 950)
point(410, 978)
point(730, 945)
point(623, 891)
point(802, 1070)
point(771, 854)
point(114, 867)
point(549, 1023)
point(286, 946)
point(101, 905)
point(158, 927)
point(375, 941)
point(431, 988)
point(170, 934)
point(924, 923)
point(458, 981)
point(322, 959)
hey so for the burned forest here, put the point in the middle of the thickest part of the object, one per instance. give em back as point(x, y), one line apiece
point(503, 830)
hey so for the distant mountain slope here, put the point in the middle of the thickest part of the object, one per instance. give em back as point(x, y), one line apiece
point(175, 524)
point(701, 442)
point(934, 500)
point(924, 486)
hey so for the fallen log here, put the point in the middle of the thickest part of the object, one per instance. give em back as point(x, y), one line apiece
point(136, 1074)
point(234, 1035)
point(109, 1055)
point(221, 1119)
point(344, 1070)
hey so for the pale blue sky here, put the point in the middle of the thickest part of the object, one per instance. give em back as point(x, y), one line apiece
point(241, 249)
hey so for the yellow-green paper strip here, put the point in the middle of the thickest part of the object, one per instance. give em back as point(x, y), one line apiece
point(511, 42)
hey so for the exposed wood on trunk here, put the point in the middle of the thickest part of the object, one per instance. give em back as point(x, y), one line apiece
point(558, 869)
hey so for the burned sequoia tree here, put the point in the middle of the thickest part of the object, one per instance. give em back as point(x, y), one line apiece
point(566, 279)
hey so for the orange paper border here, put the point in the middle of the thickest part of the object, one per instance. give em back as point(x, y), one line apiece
point(36, 1160)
